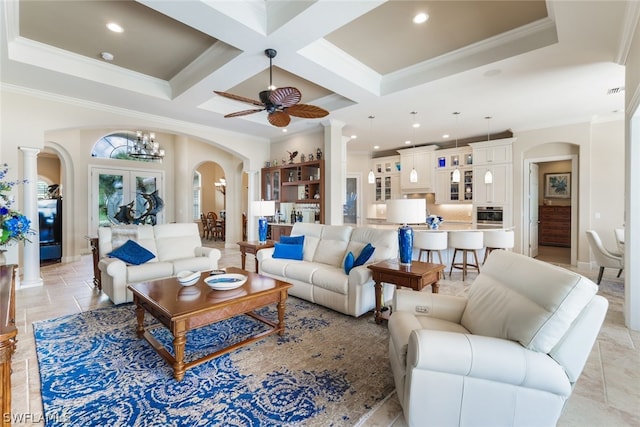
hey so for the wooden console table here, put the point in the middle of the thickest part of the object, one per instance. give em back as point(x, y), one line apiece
point(416, 276)
point(253, 248)
point(95, 252)
point(8, 332)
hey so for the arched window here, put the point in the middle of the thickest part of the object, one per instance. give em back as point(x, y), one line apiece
point(118, 145)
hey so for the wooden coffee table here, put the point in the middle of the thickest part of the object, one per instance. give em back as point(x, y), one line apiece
point(182, 309)
point(415, 276)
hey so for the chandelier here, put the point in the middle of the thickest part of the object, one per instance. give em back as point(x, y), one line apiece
point(145, 147)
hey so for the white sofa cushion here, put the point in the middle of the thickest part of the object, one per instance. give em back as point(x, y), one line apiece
point(176, 241)
point(144, 272)
point(379, 239)
point(332, 279)
point(532, 306)
point(333, 245)
point(311, 233)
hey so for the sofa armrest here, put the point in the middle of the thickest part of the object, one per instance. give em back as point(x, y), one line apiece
point(487, 358)
point(264, 254)
point(359, 275)
point(445, 307)
point(113, 267)
point(212, 253)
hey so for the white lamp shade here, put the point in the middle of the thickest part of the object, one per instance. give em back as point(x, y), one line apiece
point(413, 176)
point(406, 211)
point(372, 177)
point(488, 177)
point(263, 207)
point(455, 176)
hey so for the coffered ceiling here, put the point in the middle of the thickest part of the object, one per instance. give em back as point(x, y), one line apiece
point(529, 64)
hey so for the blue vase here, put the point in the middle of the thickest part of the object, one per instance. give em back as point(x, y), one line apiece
point(262, 229)
point(405, 244)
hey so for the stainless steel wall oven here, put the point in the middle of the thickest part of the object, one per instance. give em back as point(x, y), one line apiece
point(489, 215)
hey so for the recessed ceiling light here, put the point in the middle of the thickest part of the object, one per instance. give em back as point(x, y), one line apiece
point(354, 136)
point(407, 142)
point(446, 135)
point(107, 56)
point(376, 147)
point(416, 125)
point(115, 27)
point(420, 18)
point(284, 130)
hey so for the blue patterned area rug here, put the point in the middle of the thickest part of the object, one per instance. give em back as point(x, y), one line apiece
point(327, 370)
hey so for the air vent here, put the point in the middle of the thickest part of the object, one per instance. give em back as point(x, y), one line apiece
point(615, 90)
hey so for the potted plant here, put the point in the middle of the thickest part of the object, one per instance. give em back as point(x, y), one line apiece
point(14, 226)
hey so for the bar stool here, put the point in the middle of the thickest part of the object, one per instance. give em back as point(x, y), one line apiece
point(429, 242)
point(467, 242)
point(497, 239)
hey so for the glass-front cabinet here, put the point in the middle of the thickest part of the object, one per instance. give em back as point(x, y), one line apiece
point(446, 162)
point(387, 183)
point(271, 184)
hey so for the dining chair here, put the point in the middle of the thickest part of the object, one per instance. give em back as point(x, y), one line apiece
point(604, 257)
point(619, 233)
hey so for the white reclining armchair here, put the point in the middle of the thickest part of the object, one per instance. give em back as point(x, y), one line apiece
point(507, 355)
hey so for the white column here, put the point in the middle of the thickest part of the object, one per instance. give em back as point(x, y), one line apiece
point(335, 160)
point(632, 225)
point(253, 193)
point(31, 256)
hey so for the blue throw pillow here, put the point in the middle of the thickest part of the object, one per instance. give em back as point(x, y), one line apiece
point(287, 251)
point(292, 240)
point(364, 256)
point(348, 262)
point(132, 253)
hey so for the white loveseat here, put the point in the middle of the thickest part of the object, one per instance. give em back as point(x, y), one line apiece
point(320, 276)
point(176, 247)
point(508, 355)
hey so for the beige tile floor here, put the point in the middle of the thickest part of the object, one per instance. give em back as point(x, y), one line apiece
point(607, 394)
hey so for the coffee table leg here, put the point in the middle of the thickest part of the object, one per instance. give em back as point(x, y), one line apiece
point(140, 318)
point(179, 342)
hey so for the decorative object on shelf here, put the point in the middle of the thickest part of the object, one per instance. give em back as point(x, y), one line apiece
point(405, 212)
point(14, 226)
point(455, 176)
point(262, 209)
point(557, 185)
point(434, 221)
point(267, 164)
point(292, 156)
point(413, 176)
point(280, 103)
point(221, 186)
point(318, 154)
point(145, 147)
point(311, 157)
point(302, 158)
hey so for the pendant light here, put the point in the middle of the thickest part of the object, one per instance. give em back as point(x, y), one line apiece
point(413, 176)
point(372, 177)
point(488, 176)
point(455, 176)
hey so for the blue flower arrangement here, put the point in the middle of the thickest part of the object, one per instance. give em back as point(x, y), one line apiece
point(434, 221)
point(14, 226)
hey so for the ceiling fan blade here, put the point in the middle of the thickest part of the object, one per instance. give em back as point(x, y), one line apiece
point(279, 119)
point(285, 96)
point(307, 111)
point(239, 98)
point(244, 112)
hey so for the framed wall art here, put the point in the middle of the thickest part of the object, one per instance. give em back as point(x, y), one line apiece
point(557, 185)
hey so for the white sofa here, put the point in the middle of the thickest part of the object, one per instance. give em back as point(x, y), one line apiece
point(177, 247)
point(508, 355)
point(320, 276)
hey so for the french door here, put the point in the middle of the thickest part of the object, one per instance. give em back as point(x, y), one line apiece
point(120, 196)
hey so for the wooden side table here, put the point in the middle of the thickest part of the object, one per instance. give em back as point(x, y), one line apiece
point(415, 276)
point(253, 248)
point(95, 252)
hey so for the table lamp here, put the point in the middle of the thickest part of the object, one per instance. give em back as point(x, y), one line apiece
point(262, 209)
point(406, 211)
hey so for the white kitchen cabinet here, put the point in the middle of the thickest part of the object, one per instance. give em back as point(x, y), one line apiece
point(454, 192)
point(498, 192)
point(422, 158)
point(387, 183)
point(491, 152)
